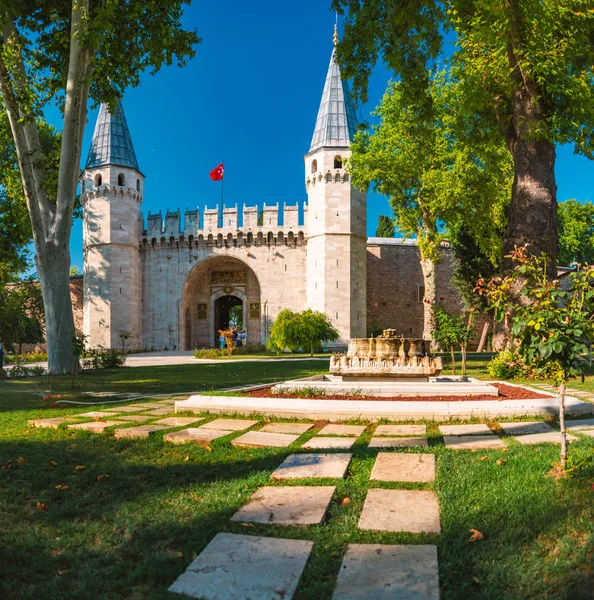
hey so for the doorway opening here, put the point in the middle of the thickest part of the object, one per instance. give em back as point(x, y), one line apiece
point(228, 312)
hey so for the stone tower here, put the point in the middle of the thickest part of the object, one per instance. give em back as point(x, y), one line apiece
point(111, 190)
point(336, 215)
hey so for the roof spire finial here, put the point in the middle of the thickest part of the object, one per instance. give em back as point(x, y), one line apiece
point(336, 30)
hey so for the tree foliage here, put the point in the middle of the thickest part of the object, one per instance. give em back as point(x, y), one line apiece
point(306, 330)
point(385, 227)
point(21, 314)
point(454, 331)
point(576, 232)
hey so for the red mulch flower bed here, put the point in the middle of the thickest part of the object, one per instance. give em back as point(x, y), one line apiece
point(506, 392)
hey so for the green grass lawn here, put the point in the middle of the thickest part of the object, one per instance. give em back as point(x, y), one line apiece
point(131, 534)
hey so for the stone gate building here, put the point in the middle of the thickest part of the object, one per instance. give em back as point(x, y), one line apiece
point(172, 282)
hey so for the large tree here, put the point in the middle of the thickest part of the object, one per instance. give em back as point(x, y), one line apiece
point(576, 232)
point(434, 170)
point(66, 51)
point(526, 67)
point(385, 227)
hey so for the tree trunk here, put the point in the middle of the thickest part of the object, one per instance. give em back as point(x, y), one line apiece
point(562, 424)
point(463, 350)
point(453, 360)
point(483, 341)
point(53, 264)
point(428, 268)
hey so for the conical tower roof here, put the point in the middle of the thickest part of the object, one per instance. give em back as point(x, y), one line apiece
point(112, 144)
point(336, 123)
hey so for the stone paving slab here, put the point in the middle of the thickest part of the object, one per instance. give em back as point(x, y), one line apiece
point(381, 572)
point(526, 427)
point(95, 414)
point(159, 412)
point(472, 442)
point(52, 423)
point(95, 426)
point(134, 418)
point(241, 567)
point(397, 442)
point(579, 424)
point(149, 405)
point(229, 424)
point(178, 421)
point(392, 466)
point(321, 442)
point(295, 505)
point(142, 431)
point(297, 466)
point(129, 409)
point(412, 511)
point(588, 432)
point(194, 434)
point(262, 438)
point(553, 437)
point(354, 430)
point(475, 429)
point(401, 430)
point(298, 428)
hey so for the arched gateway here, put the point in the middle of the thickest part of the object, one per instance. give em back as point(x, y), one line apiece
point(220, 291)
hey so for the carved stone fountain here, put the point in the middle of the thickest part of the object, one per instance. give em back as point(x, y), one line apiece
point(388, 355)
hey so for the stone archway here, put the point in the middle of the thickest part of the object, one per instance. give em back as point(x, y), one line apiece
point(211, 280)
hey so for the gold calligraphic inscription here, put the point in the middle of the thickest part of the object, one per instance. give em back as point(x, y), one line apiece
point(254, 310)
point(228, 277)
point(202, 312)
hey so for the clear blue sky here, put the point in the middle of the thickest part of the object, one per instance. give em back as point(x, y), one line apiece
point(250, 97)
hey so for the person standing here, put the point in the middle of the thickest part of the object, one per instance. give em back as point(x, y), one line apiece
point(221, 342)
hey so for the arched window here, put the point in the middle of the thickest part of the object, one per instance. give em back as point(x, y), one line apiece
point(138, 185)
point(121, 180)
point(338, 162)
point(314, 166)
point(98, 180)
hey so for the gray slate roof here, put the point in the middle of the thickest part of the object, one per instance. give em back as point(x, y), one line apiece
point(336, 123)
point(112, 144)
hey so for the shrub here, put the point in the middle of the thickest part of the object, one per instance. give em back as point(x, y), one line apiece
point(507, 364)
point(209, 353)
point(103, 359)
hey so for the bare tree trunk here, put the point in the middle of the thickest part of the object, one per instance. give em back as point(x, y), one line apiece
point(453, 360)
point(483, 341)
point(428, 268)
point(463, 350)
point(562, 424)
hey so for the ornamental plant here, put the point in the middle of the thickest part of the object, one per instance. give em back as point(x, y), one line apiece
point(453, 331)
point(552, 327)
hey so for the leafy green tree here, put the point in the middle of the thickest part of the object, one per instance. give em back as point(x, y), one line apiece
point(65, 51)
point(576, 232)
point(306, 330)
point(74, 271)
point(525, 68)
point(418, 156)
point(454, 331)
point(21, 314)
point(553, 329)
point(385, 228)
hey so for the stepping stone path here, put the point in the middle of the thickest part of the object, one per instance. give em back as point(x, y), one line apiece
point(407, 430)
point(392, 466)
point(237, 567)
point(52, 423)
point(472, 442)
point(297, 428)
point(95, 426)
point(301, 466)
point(543, 438)
point(534, 432)
point(298, 505)
point(229, 424)
point(579, 424)
point(194, 434)
point(412, 511)
point(262, 438)
point(159, 411)
point(150, 405)
point(320, 443)
point(178, 421)
point(354, 430)
point(95, 414)
point(397, 442)
point(476, 429)
point(142, 431)
point(134, 418)
point(130, 409)
point(381, 572)
point(588, 432)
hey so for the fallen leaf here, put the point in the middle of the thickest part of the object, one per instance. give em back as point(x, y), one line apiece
point(194, 556)
point(102, 477)
point(476, 580)
point(345, 500)
point(79, 468)
point(41, 506)
point(187, 458)
point(484, 458)
point(7, 465)
point(179, 554)
point(501, 461)
point(247, 524)
point(53, 463)
point(504, 449)
point(20, 460)
point(476, 536)
point(61, 571)
point(61, 487)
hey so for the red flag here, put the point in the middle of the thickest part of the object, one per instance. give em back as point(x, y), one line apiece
point(217, 173)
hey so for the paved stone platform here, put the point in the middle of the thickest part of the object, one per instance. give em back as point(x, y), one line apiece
point(149, 405)
point(579, 424)
point(95, 426)
point(392, 466)
point(407, 430)
point(526, 427)
point(241, 567)
point(588, 432)
point(297, 466)
point(263, 438)
point(475, 429)
point(297, 428)
point(412, 511)
point(134, 418)
point(159, 412)
point(52, 423)
point(194, 434)
point(295, 505)
point(350, 430)
point(321, 442)
point(142, 431)
point(178, 421)
point(229, 424)
point(95, 414)
point(124, 409)
point(472, 442)
point(397, 442)
point(382, 572)
point(553, 437)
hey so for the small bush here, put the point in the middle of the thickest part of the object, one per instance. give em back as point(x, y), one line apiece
point(22, 370)
point(28, 357)
point(209, 353)
point(103, 359)
point(506, 365)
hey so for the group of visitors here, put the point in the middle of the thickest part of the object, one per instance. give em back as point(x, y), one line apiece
point(239, 339)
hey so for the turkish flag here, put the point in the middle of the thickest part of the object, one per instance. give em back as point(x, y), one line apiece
point(217, 173)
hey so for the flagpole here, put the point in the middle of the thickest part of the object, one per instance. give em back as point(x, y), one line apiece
point(223, 195)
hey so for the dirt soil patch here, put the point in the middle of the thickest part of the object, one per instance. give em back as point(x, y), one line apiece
point(506, 392)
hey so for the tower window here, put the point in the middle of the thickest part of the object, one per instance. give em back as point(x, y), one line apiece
point(121, 180)
point(138, 185)
point(314, 166)
point(98, 180)
point(338, 162)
